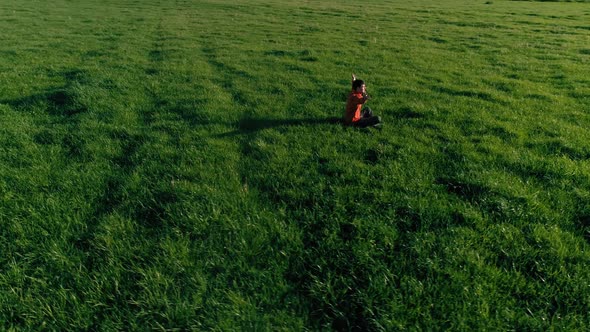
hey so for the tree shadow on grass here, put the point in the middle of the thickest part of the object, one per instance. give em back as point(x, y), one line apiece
point(57, 101)
point(249, 125)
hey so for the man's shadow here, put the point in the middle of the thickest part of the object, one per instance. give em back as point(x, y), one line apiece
point(249, 125)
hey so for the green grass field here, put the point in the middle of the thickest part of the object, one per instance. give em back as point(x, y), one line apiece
point(175, 165)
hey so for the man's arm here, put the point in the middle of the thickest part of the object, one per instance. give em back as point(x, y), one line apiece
point(360, 100)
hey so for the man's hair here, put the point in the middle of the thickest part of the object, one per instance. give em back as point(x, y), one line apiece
point(357, 84)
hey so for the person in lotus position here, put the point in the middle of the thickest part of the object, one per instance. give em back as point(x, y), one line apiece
point(355, 114)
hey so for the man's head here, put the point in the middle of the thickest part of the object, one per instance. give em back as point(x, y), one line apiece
point(358, 86)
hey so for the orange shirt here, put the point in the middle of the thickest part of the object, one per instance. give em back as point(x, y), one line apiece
point(353, 107)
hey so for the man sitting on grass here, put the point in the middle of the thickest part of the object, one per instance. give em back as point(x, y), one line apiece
point(355, 114)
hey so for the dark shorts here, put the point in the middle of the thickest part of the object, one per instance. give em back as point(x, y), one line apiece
point(367, 119)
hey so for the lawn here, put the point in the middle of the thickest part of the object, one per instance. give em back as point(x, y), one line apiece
point(178, 165)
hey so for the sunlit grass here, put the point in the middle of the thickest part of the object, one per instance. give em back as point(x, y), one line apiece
point(180, 166)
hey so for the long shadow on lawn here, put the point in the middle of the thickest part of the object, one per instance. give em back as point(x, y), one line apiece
point(62, 101)
point(249, 125)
